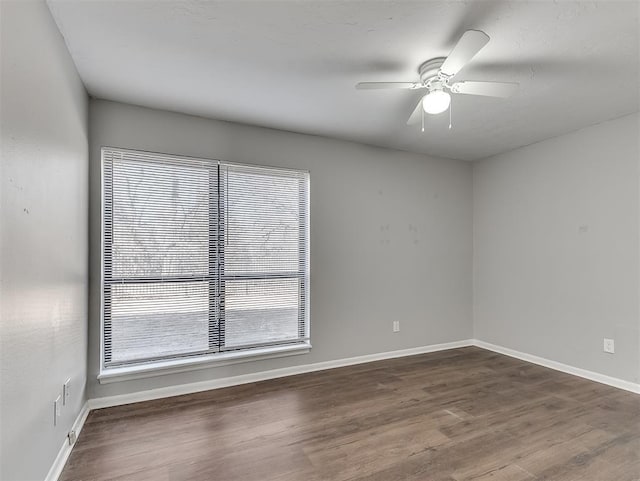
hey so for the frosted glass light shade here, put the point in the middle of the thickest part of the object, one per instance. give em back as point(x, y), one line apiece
point(436, 102)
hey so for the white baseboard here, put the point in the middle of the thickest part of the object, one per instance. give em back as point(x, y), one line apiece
point(181, 389)
point(558, 366)
point(65, 449)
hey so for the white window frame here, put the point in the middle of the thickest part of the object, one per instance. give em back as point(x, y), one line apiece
point(183, 364)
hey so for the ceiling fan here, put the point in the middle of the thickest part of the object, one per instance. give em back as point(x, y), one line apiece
point(436, 75)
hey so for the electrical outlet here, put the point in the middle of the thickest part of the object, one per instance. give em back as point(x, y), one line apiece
point(66, 392)
point(396, 326)
point(609, 346)
point(56, 409)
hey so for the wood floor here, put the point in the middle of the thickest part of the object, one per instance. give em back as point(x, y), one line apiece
point(463, 414)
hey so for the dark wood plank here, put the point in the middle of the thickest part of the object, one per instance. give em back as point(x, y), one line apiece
point(459, 415)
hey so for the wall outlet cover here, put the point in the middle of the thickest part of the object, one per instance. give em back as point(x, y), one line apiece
point(56, 409)
point(609, 346)
point(66, 392)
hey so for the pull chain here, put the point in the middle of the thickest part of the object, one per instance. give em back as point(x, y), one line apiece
point(450, 109)
point(422, 110)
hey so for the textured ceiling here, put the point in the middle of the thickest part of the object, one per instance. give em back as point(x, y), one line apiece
point(292, 65)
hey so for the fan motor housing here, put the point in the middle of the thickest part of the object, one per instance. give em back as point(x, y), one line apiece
point(429, 69)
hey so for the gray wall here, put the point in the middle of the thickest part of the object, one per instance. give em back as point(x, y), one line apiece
point(43, 239)
point(390, 235)
point(556, 248)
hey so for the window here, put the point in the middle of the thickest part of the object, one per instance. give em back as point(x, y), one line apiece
point(202, 260)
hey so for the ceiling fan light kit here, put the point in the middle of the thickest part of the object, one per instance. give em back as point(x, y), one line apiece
point(436, 75)
point(436, 101)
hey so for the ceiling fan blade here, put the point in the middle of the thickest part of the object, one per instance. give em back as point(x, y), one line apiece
point(489, 89)
point(416, 115)
point(387, 85)
point(469, 44)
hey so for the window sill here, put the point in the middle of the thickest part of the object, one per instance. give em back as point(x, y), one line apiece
point(118, 374)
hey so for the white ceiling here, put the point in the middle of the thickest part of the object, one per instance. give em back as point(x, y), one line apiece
point(292, 65)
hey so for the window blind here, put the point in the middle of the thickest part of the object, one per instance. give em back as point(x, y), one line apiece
point(264, 255)
point(200, 257)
